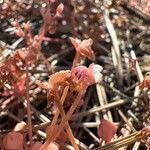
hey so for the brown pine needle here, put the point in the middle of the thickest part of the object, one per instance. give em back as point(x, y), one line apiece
point(123, 141)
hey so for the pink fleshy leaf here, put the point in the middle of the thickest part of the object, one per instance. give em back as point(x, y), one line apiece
point(87, 76)
point(13, 141)
point(107, 130)
point(77, 71)
point(84, 47)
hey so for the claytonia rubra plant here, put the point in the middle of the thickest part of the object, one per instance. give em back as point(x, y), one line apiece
point(83, 50)
point(65, 88)
point(77, 80)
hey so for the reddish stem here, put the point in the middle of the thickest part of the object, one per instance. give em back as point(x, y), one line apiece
point(64, 120)
point(28, 107)
point(76, 60)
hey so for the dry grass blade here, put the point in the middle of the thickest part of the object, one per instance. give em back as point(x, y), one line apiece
point(93, 110)
point(138, 70)
point(115, 49)
point(103, 100)
point(136, 146)
point(122, 142)
point(5, 51)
